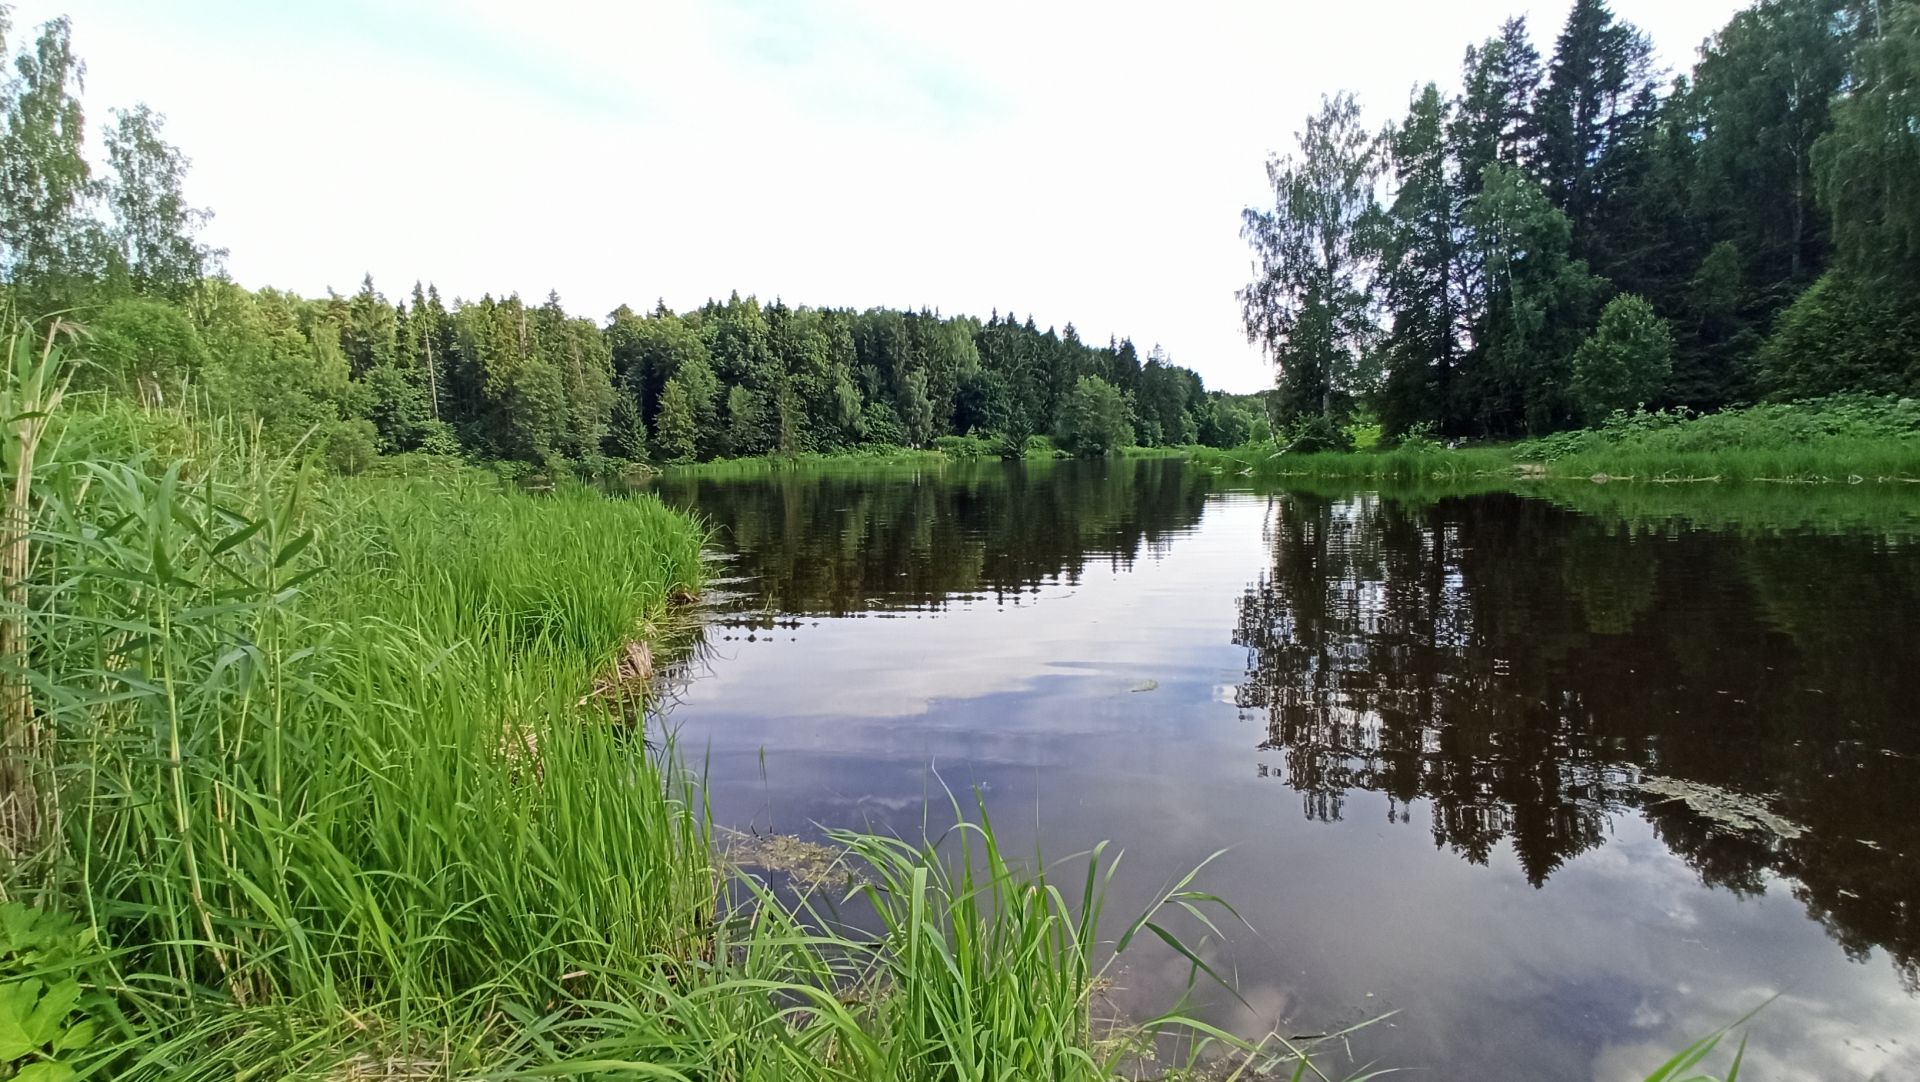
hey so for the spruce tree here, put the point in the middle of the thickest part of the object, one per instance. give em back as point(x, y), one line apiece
point(1419, 271)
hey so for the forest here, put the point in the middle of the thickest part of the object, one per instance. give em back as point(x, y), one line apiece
point(1574, 234)
point(498, 378)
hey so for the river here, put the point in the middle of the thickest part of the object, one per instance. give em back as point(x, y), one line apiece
point(1565, 778)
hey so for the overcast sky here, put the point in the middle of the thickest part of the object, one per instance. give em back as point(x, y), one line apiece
point(1085, 163)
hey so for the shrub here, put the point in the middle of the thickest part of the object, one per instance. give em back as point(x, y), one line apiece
point(879, 424)
point(1096, 420)
point(1626, 362)
point(146, 347)
point(1843, 334)
point(968, 446)
point(351, 446)
point(1315, 434)
point(437, 438)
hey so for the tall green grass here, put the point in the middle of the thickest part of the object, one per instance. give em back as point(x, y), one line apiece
point(324, 749)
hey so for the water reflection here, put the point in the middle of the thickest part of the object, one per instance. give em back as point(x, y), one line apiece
point(1530, 671)
point(841, 541)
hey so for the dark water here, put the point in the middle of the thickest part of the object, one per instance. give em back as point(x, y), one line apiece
point(1567, 780)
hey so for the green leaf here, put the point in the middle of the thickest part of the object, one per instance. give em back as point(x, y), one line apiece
point(16, 1009)
point(50, 1017)
point(45, 1072)
point(77, 1037)
point(293, 548)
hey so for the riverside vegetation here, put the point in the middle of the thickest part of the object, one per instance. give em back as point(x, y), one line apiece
point(313, 777)
point(308, 777)
point(1843, 439)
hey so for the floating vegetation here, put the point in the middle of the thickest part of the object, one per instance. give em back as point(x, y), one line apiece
point(809, 865)
point(1728, 809)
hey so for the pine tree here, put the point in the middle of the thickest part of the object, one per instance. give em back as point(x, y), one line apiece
point(675, 432)
point(626, 431)
point(1493, 119)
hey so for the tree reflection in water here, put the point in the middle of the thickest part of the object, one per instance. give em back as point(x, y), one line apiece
point(1523, 668)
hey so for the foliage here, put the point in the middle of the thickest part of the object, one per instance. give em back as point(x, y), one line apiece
point(50, 1015)
point(1867, 163)
point(351, 446)
point(1782, 161)
point(970, 446)
point(1316, 435)
point(1849, 438)
point(1307, 304)
point(154, 225)
point(1537, 301)
point(1626, 362)
point(146, 349)
point(1096, 420)
point(1846, 333)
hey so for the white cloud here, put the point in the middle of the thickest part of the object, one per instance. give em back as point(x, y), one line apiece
point(1083, 162)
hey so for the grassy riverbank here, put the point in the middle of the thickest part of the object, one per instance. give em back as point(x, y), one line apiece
point(328, 778)
point(1840, 440)
point(347, 779)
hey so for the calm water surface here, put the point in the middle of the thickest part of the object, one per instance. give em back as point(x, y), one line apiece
point(1566, 779)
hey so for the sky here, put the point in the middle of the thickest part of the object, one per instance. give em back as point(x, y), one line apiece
point(1079, 162)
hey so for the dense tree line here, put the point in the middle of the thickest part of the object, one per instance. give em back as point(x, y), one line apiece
point(1564, 236)
point(364, 373)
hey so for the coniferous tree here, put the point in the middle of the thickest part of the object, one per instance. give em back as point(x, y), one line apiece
point(1590, 115)
point(675, 430)
point(1493, 120)
point(1419, 271)
point(626, 430)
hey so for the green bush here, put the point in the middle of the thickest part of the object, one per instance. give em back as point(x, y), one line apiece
point(1626, 362)
point(146, 347)
point(351, 447)
point(968, 446)
point(1316, 434)
point(1843, 334)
